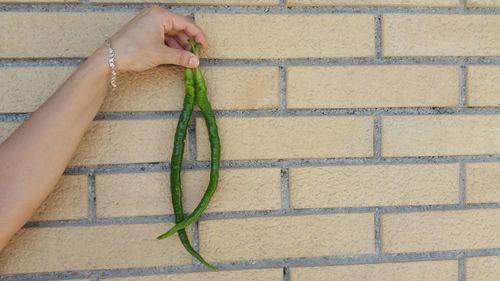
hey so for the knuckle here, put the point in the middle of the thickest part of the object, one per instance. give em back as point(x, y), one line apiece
point(179, 60)
point(156, 10)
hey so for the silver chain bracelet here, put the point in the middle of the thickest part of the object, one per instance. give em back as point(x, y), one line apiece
point(111, 60)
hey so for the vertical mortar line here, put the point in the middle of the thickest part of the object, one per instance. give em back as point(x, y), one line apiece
point(462, 86)
point(378, 225)
point(461, 183)
point(91, 195)
point(285, 188)
point(377, 137)
point(378, 36)
point(195, 241)
point(282, 86)
point(463, 4)
point(283, 3)
point(286, 273)
point(461, 267)
point(192, 139)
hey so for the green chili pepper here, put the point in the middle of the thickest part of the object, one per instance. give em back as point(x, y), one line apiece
point(176, 161)
point(208, 115)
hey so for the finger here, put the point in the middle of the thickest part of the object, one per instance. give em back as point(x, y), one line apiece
point(185, 24)
point(182, 38)
point(178, 57)
point(171, 42)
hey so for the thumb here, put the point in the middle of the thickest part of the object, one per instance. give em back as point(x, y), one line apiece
point(178, 57)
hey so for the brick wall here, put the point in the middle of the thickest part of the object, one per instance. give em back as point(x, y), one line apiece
point(361, 140)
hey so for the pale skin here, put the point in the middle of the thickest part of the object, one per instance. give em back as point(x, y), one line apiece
point(33, 158)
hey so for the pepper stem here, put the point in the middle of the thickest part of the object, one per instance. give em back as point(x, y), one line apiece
point(194, 46)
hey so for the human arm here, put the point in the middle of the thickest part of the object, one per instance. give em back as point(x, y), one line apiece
point(33, 158)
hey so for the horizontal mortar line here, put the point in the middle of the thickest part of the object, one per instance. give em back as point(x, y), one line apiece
point(118, 168)
point(229, 164)
point(265, 213)
point(187, 9)
point(383, 111)
point(426, 60)
point(35, 62)
point(139, 115)
point(403, 60)
point(261, 264)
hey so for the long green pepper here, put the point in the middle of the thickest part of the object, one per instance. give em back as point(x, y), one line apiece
point(206, 110)
point(176, 160)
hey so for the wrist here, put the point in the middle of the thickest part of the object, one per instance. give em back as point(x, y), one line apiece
point(98, 62)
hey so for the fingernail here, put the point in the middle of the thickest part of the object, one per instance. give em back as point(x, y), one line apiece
point(193, 61)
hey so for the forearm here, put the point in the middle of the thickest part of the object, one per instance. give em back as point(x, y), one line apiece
point(34, 157)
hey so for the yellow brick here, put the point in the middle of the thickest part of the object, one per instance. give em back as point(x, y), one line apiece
point(434, 135)
point(404, 3)
point(440, 230)
point(250, 87)
point(57, 34)
point(271, 274)
point(287, 36)
point(482, 85)
point(199, 2)
point(482, 268)
point(19, 96)
point(228, 88)
point(6, 129)
point(289, 236)
point(482, 182)
point(158, 89)
point(73, 280)
point(119, 141)
point(483, 3)
point(362, 186)
point(289, 137)
point(371, 86)
point(143, 194)
point(91, 247)
point(408, 271)
point(41, 2)
point(126, 141)
point(440, 35)
point(67, 201)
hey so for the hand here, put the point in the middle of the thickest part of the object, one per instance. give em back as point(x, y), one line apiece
point(156, 36)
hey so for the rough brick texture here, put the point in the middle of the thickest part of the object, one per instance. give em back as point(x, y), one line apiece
point(482, 268)
point(481, 182)
point(122, 141)
point(242, 275)
point(411, 271)
point(371, 86)
point(358, 186)
point(440, 35)
point(287, 36)
point(67, 34)
point(149, 193)
point(68, 201)
point(483, 88)
point(95, 247)
point(440, 135)
point(402, 3)
point(126, 141)
point(200, 2)
point(483, 3)
point(248, 88)
point(435, 231)
point(290, 137)
point(279, 237)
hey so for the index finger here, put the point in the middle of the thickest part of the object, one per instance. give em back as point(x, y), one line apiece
point(182, 23)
